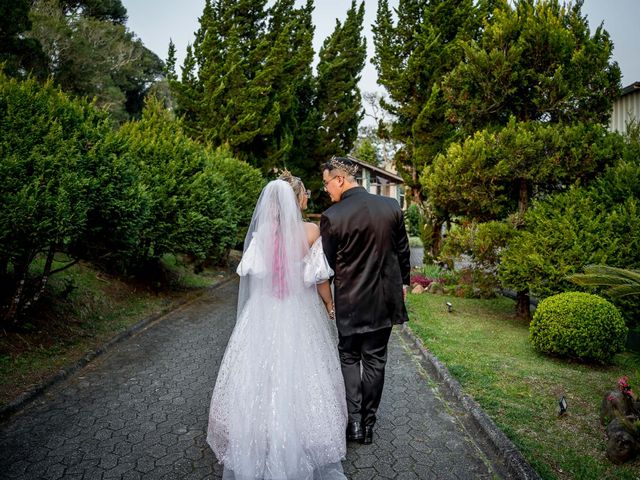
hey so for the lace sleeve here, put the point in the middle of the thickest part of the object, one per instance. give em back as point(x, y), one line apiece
point(316, 267)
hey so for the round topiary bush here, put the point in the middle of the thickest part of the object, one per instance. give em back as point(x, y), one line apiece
point(579, 325)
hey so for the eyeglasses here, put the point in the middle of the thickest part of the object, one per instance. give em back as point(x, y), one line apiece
point(327, 182)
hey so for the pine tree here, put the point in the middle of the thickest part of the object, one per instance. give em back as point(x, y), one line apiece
point(295, 135)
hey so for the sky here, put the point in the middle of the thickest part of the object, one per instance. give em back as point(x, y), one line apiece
point(158, 21)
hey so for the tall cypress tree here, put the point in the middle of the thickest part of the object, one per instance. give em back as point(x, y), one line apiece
point(338, 100)
point(246, 70)
point(295, 134)
point(170, 64)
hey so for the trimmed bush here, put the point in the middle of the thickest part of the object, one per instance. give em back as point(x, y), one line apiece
point(579, 325)
point(191, 206)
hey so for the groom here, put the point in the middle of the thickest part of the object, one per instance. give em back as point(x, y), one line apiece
point(365, 242)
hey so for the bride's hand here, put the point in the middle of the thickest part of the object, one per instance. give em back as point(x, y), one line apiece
point(330, 310)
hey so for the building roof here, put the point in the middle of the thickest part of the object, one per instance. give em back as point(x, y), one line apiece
point(634, 87)
point(381, 172)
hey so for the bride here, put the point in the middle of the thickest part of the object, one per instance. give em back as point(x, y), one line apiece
point(278, 407)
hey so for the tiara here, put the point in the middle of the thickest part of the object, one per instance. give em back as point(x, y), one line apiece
point(286, 175)
point(340, 164)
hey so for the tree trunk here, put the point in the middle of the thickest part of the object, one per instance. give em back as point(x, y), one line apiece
point(522, 305)
point(4, 265)
point(43, 280)
point(522, 298)
point(21, 270)
point(523, 200)
point(436, 237)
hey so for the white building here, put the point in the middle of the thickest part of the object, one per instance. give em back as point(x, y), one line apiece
point(626, 108)
point(379, 181)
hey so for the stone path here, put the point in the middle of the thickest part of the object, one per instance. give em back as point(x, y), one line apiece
point(140, 412)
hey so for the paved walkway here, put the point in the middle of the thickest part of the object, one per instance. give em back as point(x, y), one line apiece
point(140, 412)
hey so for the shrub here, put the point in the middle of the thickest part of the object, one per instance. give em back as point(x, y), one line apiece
point(433, 271)
point(191, 208)
point(415, 222)
point(415, 242)
point(566, 232)
point(579, 325)
point(245, 183)
point(119, 207)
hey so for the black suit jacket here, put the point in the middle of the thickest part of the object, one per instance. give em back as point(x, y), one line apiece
point(365, 242)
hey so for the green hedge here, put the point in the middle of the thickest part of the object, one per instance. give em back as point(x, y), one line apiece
point(71, 184)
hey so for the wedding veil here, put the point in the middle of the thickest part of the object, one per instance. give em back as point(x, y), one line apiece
point(274, 248)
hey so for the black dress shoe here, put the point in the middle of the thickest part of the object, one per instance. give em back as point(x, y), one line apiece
point(367, 437)
point(354, 431)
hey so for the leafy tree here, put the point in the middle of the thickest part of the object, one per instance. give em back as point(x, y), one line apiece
point(413, 55)
point(491, 175)
point(105, 10)
point(565, 232)
point(95, 56)
point(378, 133)
point(527, 90)
point(535, 61)
point(364, 150)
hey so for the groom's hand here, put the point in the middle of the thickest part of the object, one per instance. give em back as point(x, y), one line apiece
point(404, 291)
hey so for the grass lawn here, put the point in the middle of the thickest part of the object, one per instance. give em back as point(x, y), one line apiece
point(83, 308)
point(487, 349)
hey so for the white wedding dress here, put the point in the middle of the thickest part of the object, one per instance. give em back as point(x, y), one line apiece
point(278, 407)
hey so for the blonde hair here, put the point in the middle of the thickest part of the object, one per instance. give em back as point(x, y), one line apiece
point(295, 182)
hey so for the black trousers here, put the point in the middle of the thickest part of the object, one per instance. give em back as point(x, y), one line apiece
point(364, 386)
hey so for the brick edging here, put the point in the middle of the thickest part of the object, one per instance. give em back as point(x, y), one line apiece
point(34, 392)
point(515, 463)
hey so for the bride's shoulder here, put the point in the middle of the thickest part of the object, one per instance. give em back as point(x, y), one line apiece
point(313, 232)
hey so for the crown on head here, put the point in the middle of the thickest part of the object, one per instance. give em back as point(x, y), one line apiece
point(345, 164)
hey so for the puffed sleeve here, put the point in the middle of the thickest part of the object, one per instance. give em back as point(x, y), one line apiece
point(252, 262)
point(316, 267)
